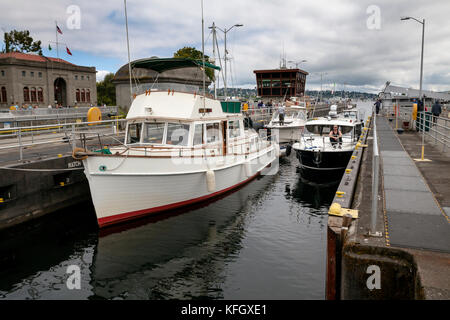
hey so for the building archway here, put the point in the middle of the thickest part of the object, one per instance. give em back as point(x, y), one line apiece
point(60, 88)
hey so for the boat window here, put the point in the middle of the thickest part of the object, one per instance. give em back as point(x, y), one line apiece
point(346, 129)
point(154, 132)
point(212, 132)
point(198, 134)
point(134, 133)
point(318, 129)
point(302, 115)
point(234, 128)
point(177, 134)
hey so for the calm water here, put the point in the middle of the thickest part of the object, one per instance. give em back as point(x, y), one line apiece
point(265, 241)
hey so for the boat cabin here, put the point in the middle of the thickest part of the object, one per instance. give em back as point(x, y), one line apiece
point(324, 127)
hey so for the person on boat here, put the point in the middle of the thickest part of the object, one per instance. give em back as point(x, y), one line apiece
point(245, 108)
point(281, 112)
point(335, 137)
point(270, 106)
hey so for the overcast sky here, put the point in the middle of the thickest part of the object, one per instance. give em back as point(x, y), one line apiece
point(360, 43)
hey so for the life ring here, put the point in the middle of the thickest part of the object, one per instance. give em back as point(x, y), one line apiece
point(75, 152)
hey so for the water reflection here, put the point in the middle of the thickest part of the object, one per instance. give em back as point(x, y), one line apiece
point(264, 241)
point(175, 258)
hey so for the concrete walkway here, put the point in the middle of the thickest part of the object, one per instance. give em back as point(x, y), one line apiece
point(414, 217)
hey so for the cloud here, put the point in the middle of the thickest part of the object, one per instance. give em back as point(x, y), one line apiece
point(101, 74)
point(331, 35)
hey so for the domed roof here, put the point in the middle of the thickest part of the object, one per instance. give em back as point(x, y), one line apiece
point(187, 75)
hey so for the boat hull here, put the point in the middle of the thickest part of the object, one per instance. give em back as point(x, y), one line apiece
point(127, 195)
point(286, 134)
point(322, 166)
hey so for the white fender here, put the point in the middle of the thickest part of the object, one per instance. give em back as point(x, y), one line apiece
point(248, 168)
point(210, 180)
point(277, 150)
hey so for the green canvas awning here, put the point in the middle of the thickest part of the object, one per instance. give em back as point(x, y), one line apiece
point(164, 64)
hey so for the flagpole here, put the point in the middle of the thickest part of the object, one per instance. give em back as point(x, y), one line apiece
point(57, 45)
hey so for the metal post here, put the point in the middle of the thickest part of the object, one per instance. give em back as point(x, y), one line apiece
point(225, 83)
point(20, 143)
point(214, 57)
point(128, 47)
point(74, 142)
point(420, 90)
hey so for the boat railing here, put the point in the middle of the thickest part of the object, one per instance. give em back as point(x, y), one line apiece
point(236, 146)
point(23, 138)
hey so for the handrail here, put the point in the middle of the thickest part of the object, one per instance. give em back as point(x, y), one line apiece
point(375, 178)
point(437, 131)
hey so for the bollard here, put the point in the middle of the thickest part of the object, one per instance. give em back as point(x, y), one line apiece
point(74, 144)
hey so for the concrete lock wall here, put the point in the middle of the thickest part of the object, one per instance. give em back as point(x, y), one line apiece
point(25, 195)
point(396, 269)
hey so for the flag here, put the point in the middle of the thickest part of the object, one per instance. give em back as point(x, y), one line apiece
point(49, 48)
point(68, 51)
point(58, 29)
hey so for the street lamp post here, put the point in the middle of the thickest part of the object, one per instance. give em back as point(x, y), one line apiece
point(226, 52)
point(421, 76)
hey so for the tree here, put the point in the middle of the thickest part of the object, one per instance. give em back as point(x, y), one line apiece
point(21, 41)
point(106, 91)
point(192, 53)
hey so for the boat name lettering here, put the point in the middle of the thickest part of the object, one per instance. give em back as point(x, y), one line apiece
point(74, 164)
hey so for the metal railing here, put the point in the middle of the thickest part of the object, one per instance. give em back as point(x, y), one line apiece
point(437, 129)
point(20, 138)
point(375, 179)
point(14, 117)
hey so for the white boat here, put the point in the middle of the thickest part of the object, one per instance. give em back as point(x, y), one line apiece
point(319, 158)
point(292, 127)
point(180, 148)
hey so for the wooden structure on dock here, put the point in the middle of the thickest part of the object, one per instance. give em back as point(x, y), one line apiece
point(281, 83)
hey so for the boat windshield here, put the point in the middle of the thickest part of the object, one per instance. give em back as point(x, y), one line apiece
point(322, 129)
point(153, 132)
point(158, 133)
point(350, 114)
point(177, 134)
point(294, 114)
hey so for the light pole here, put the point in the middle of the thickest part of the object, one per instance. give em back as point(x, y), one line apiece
point(421, 75)
point(226, 52)
point(296, 63)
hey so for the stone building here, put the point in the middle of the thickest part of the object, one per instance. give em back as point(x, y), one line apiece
point(31, 79)
point(188, 79)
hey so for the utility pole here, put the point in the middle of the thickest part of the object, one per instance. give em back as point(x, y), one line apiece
point(420, 86)
point(225, 31)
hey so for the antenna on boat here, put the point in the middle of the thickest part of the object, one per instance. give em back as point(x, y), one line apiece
point(128, 47)
point(203, 58)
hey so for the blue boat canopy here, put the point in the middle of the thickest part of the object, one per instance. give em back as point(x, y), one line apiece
point(164, 64)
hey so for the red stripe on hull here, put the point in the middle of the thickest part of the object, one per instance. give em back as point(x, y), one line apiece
point(122, 217)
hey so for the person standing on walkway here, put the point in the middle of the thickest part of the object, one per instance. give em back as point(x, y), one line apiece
point(436, 110)
point(377, 106)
